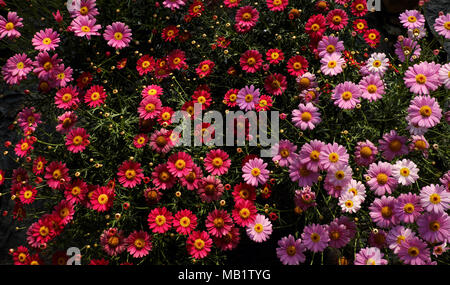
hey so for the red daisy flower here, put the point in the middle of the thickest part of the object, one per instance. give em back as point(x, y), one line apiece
point(24, 147)
point(20, 256)
point(275, 84)
point(360, 26)
point(205, 68)
point(140, 140)
point(57, 175)
point(169, 33)
point(184, 222)
point(244, 213)
point(165, 116)
point(95, 96)
point(84, 80)
point(222, 42)
point(160, 220)
point(218, 223)
point(244, 192)
point(230, 97)
point(145, 64)
point(297, 65)
point(251, 61)
point(202, 97)
point(196, 8)
point(67, 97)
point(199, 244)
point(65, 210)
point(77, 140)
point(217, 162)
point(27, 194)
point(337, 19)
point(102, 199)
point(2, 176)
point(359, 8)
point(264, 104)
point(176, 59)
point(274, 56)
point(316, 26)
point(162, 178)
point(372, 37)
point(130, 174)
point(76, 191)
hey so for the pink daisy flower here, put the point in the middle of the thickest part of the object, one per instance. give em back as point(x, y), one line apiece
point(349, 203)
point(414, 251)
point(230, 97)
point(139, 244)
point(76, 191)
point(424, 111)
point(40, 232)
point(45, 40)
point(330, 45)
point(66, 122)
point(274, 56)
point(277, 5)
point(102, 199)
point(372, 87)
point(86, 8)
point(264, 104)
point(407, 208)
point(46, 65)
point(260, 229)
point(84, 26)
point(255, 172)
point(160, 220)
point(422, 78)
point(332, 64)
point(359, 8)
point(444, 75)
point(113, 241)
point(290, 251)
point(405, 171)
point(184, 222)
point(77, 140)
point(297, 65)
point(17, 68)
point(407, 49)
point(412, 19)
point(337, 19)
point(244, 212)
point(284, 153)
point(381, 180)
point(396, 236)
point(299, 173)
point(275, 84)
point(246, 17)
point(247, 98)
point(9, 25)
point(445, 181)
point(57, 174)
point(174, 4)
point(199, 244)
point(382, 212)
point(393, 145)
point(339, 176)
point(338, 234)
point(193, 179)
point(180, 164)
point(118, 35)
point(152, 90)
point(144, 65)
point(140, 140)
point(434, 227)
point(315, 237)
point(130, 174)
point(27, 194)
point(63, 75)
point(307, 116)
point(24, 147)
point(162, 178)
point(231, 3)
point(370, 256)
point(210, 189)
point(316, 26)
point(230, 241)
point(150, 108)
point(309, 155)
point(442, 25)
point(365, 153)
point(176, 59)
point(217, 162)
point(346, 95)
point(434, 198)
point(251, 61)
point(39, 165)
point(333, 155)
point(305, 198)
point(306, 81)
point(95, 96)
point(218, 223)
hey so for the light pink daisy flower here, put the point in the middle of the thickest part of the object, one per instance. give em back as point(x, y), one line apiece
point(412, 19)
point(434, 227)
point(346, 95)
point(247, 98)
point(422, 78)
point(378, 63)
point(405, 171)
point(392, 145)
point(139, 244)
point(315, 237)
point(118, 35)
point(332, 64)
point(424, 111)
point(299, 173)
point(309, 154)
point(46, 40)
point(306, 116)
point(442, 25)
point(407, 208)
point(290, 250)
point(333, 155)
point(381, 180)
point(217, 162)
point(357, 189)
point(382, 212)
point(83, 26)
point(372, 87)
point(86, 8)
point(397, 235)
point(349, 203)
point(370, 256)
point(9, 25)
point(444, 75)
point(174, 4)
point(330, 45)
point(414, 251)
point(260, 230)
point(434, 198)
point(339, 175)
point(255, 172)
point(283, 153)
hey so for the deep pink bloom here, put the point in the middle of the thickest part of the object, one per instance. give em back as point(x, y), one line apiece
point(346, 95)
point(180, 164)
point(77, 140)
point(422, 78)
point(244, 212)
point(160, 220)
point(84, 26)
point(218, 223)
point(407, 207)
point(307, 116)
point(130, 174)
point(8, 26)
point(255, 172)
point(251, 61)
point(162, 178)
point(424, 111)
point(46, 40)
point(217, 162)
point(57, 175)
point(139, 244)
point(382, 212)
point(184, 222)
point(315, 237)
point(381, 180)
point(113, 241)
point(210, 189)
point(337, 19)
point(199, 244)
point(434, 227)
point(102, 199)
point(118, 35)
point(393, 145)
point(275, 84)
point(246, 17)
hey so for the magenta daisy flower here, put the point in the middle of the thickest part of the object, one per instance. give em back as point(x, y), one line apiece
point(77, 140)
point(306, 116)
point(445, 181)
point(255, 172)
point(174, 4)
point(24, 147)
point(46, 65)
point(210, 189)
point(244, 212)
point(300, 174)
point(372, 87)
point(370, 256)
point(84, 26)
point(218, 223)
point(251, 61)
point(17, 68)
point(424, 111)
point(162, 178)
point(199, 244)
point(95, 96)
point(339, 175)
point(150, 108)
point(290, 250)
point(118, 35)
point(365, 153)
point(397, 235)
point(193, 179)
point(442, 25)
point(330, 45)
point(412, 19)
point(247, 98)
point(309, 154)
point(180, 164)
point(333, 155)
point(113, 241)
point(57, 174)
point(27, 194)
point(260, 229)
point(407, 208)
point(422, 78)
point(381, 180)
point(337, 19)
point(246, 17)
point(297, 65)
point(284, 153)
point(434, 198)
point(332, 64)
point(85, 8)
point(407, 49)
point(315, 237)
point(382, 212)
point(434, 227)
point(346, 95)
point(217, 162)
point(66, 122)
point(45, 40)
point(139, 244)
point(63, 75)
point(75, 192)
point(160, 220)
point(65, 209)
point(8, 26)
point(414, 251)
point(140, 140)
point(393, 145)
point(102, 198)
point(130, 174)
point(184, 222)
point(277, 5)
point(338, 234)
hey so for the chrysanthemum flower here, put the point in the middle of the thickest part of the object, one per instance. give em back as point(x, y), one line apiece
point(349, 203)
point(57, 174)
point(382, 212)
point(145, 64)
point(251, 61)
point(199, 244)
point(442, 25)
point(84, 26)
point(174, 4)
point(76, 191)
point(102, 199)
point(244, 212)
point(337, 19)
point(407, 207)
point(8, 26)
point(306, 116)
point(275, 84)
point(445, 180)
point(405, 171)
point(290, 250)
point(316, 26)
point(283, 152)
point(305, 198)
point(424, 111)
point(118, 35)
point(264, 104)
point(184, 222)
point(180, 164)
point(315, 237)
point(152, 195)
point(297, 65)
point(113, 241)
point(333, 155)
point(381, 180)
point(434, 198)
point(372, 37)
point(46, 40)
point(411, 19)
point(346, 95)
point(218, 223)
point(434, 227)
point(255, 172)
point(66, 122)
point(414, 251)
point(95, 96)
point(422, 78)
point(246, 17)
point(139, 244)
point(277, 5)
point(150, 107)
point(247, 98)
point(372, 87)
point(162, 178)
point(274, 56)
point(217, 162)
point(160, 220)
point(393, 145)
point(370, 256)
point(260, 229)
point(130, 174)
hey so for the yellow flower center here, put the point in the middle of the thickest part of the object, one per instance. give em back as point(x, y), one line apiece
point(366, 151)
point(435, 198)
point(335, 235)
point(130, 174)
point(46, 41)
point(76, 191)
point(386, 212)
point(258, 228)
point(395, 145)
point(420, 144)
point(332, 64)
point(372, 36)
point(180, 164)
point(339, 175)
point(113, 241)
point(164, 176)
point(305, 82)
point(404, 172)
point(421, 79)
point(160, 220)
point(314, 155)
point(447, 25)
point(85, 29)
point(139, 243)
point(118, 36)
point(57, 174)
point(291, 251)
point(22, 256)
point(95, 96)
point(64, 212)
point(349, 204)
point(315, 27)
point(185, 222)
point(20, 65)
point(232, 97)
point(146, 64)
point(331, 49)
point(251, 61)
point(434, 226)
point(256, 172)
point(315, 237)
point(277, 2)
point(77, 140)
point(354, 191)
point(43, 231)
point(333, 157)
point(337, 19)
point(24, 146)
point(199, 244)
point(48, 65)
point(376, 63)
point(408, 208)
point(246, 16)
point(205, 67)
point(412, 19)
point(425, 111)
point(297, 65)
point(102, 199)
point(263, 103)
point(9, 26)
point(150, 107)
point(141, 140)
point(274, 55)
point(360, 26)
point(372, 88)
point(306, 116)
point(218, 223)
point(249, 98)
point(347, 95)
point(244, 194)
point(166, 116)
point(276, 84)
point(413, 251)
point(28, 194)
point(382, 178)
point(217, 162)
point(244, 213)
point(201, 99)
point(284, 153)
point(400, 239)
point(359, 7)
point(84, 10)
